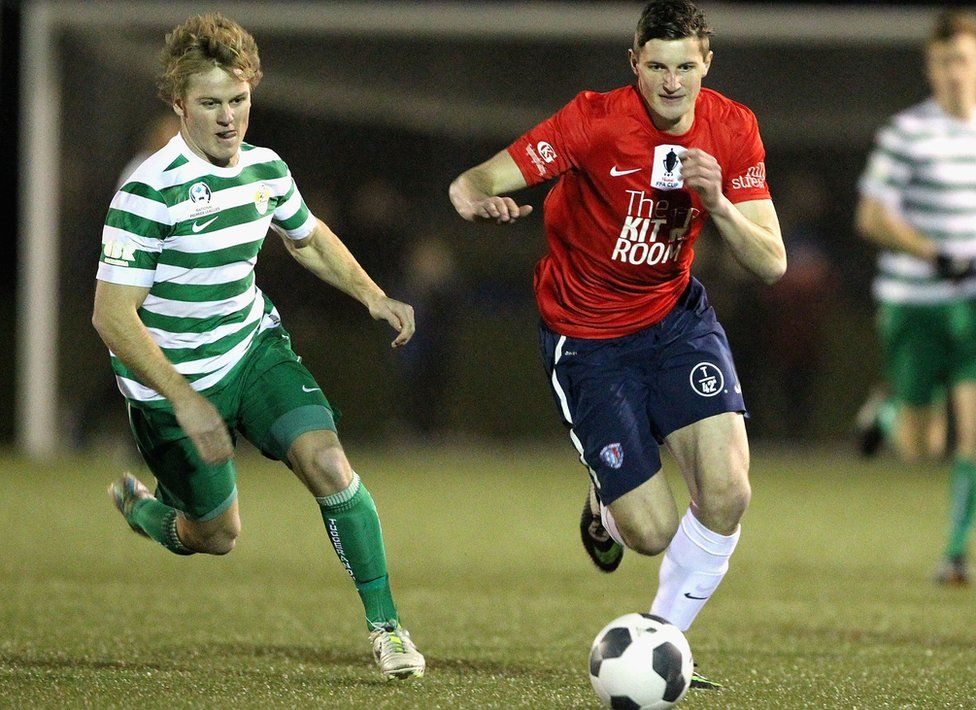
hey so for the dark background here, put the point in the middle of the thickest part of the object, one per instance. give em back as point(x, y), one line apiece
point(375, 128)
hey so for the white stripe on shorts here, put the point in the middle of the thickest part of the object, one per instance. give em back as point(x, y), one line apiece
point(564, 404)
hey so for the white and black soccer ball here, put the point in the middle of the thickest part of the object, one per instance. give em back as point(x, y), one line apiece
point(640, 662)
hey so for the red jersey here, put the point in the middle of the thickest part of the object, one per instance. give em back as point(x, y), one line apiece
point(620, 224)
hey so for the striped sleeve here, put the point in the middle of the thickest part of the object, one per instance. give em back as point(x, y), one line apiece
point(291, 214)
point(137, 222)
point(889, 168)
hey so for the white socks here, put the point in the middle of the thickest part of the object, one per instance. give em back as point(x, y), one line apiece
point(693, 565)
point(610, 525)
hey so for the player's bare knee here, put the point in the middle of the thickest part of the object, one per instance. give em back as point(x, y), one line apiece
point(722, 509)
point(220, 545)
point(218, 540)
point(327, 470)
point(647, 540)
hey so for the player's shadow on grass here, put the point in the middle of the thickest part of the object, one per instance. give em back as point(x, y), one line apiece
point(332, 658)
point(325, 658)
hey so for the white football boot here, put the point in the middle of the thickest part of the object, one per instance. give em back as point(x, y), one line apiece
point(395, 653)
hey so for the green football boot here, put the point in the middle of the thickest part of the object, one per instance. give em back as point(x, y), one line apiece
point(702, 683)
point(605, 552)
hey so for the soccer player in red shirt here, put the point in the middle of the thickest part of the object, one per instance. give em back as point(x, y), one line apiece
point(635, 355)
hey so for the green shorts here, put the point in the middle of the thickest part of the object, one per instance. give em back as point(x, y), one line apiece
point(927, 348)
point(271, 399)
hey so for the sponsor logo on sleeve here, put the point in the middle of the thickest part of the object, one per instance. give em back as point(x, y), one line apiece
point(754, 177)
point(118, 253)
point(546, 150)
point(536, 160)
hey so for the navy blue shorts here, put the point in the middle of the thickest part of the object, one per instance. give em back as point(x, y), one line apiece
point(622, 396)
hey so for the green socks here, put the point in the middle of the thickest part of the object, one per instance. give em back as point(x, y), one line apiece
point(158, 521)
point(962, 505)
point(354, 531)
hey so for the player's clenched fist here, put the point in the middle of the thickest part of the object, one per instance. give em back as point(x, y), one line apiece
point(702, 173)
point(500, 210)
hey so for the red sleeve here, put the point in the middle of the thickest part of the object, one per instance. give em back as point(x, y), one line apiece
point(745, 175)
point(553, 147)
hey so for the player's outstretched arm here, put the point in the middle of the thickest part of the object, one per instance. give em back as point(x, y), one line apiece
point(324, 254)
point(117, 321)
point(476, 193)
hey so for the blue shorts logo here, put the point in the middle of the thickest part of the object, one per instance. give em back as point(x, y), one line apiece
point(707, 379)
point(612, 455)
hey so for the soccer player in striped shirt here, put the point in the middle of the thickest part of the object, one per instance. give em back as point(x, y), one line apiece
point(918, 203)
point(199, 351)
point(634, 352)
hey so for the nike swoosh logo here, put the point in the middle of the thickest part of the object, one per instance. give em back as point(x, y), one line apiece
point(614, 172)
point(692, 596)
point(311, 389)
point(198, 227)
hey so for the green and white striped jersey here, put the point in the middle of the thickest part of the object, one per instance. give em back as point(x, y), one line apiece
point(191, 232)
point(924, 169)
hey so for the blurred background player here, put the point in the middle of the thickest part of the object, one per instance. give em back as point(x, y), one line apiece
point(199, 351)
point(635, 355)
point(918, 203)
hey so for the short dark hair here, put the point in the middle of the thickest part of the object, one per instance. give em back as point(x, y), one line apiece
point(951, 23)
point(672, 19)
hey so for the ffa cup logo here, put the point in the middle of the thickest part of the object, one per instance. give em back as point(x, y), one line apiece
point(666, 173)
point(612, 455)
point(670, 161)
point(200, 194)
point(261, 198)
point(706, 379)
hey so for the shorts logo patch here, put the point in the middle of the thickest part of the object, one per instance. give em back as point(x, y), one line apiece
point(706, 379)
point(612, 455)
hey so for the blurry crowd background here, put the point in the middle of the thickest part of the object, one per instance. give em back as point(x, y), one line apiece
point(374, 127)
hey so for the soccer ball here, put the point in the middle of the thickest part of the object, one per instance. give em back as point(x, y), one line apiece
point(640, 662)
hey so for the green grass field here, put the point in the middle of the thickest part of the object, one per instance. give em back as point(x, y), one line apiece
point(828, 602)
